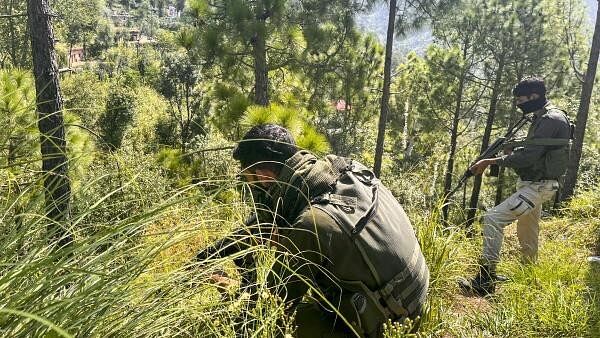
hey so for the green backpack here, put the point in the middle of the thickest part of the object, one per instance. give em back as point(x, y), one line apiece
point(557, 157)
point(380, 229)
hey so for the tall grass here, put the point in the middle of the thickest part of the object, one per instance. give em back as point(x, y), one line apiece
point(131, 272)
point(125, 275)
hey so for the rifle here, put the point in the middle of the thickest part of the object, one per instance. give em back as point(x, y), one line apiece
point(491, 151)
point(235, 242)
point(243, 238)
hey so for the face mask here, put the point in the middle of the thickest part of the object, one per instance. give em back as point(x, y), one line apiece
point(532, 105)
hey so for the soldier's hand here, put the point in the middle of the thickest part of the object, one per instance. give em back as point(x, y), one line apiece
point(221, 280)
point(479, 167)
point(223, 283)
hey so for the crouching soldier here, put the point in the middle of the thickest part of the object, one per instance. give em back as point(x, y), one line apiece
point(339, 231)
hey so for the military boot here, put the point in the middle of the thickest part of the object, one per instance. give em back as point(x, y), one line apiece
point(483, 284)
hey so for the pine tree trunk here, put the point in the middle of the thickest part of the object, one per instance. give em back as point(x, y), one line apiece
point(13, 39)
point(454, 138)
point(385, 97)
point(452, 152)
point(500, 186)
point(261, 76)
point(50, 121)
point(485, 141)
point(582, 113)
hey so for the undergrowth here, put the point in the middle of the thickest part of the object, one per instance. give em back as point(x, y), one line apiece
point(132, 271)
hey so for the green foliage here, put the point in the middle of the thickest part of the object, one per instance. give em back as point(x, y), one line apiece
point(423, 109)
point(180, 84)
point(233, 35)
point(85, 96)
point(79, 20)
point(343, 85)
point(133, 64)
point(18, 137)
point(125, 182)
point(228, 109)
point(145, 18)
point(150, 110)
point(19, 147)
point(15, 45)
point(117, 116)
point(585, 206)
point(291, 118)
point(312, 140)
point(104, 38)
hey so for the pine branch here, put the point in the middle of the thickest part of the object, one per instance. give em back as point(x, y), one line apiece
point(10, 16)
point(578, 73)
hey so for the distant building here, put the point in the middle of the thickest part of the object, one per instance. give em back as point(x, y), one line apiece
point(340, 105)
point(172, 12)
point(134, 35)
point(76, 55)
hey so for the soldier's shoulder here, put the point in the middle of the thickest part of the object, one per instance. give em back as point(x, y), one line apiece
point(313, 216)
point(552, 109)
point(555, 113)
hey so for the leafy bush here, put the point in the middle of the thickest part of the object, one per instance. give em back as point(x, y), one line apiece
point(117, 116)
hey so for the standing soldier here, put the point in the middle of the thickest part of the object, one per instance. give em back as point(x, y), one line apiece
point(540, 160)
point(337, 230)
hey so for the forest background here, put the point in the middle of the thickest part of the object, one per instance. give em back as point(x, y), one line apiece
point(154, 93)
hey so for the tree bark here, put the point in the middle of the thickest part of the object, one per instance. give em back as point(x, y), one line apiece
point(454, 137)
point(50, 122)
point(486, 141)
point(582, 114)
point(500, 186)
point(452, 152)
point(261, 76)
point(385, 97)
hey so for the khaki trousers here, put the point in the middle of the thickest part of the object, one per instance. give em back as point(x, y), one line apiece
point(524, 206)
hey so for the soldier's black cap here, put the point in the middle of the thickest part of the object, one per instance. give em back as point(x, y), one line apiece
point(268, 143)
point(530, 85)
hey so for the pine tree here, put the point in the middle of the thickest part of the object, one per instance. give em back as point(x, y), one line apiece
point(50, 121)
point(413, 14)
point(261, 36)
point(14, 44)
point(582, 113)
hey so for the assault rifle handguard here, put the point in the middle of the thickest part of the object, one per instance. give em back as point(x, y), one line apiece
point(491, 151)
point(228, 246)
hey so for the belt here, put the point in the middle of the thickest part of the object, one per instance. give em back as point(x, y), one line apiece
point(543, 180)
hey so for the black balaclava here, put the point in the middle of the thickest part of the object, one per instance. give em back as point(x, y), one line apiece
point(533, 105)
point(528, 87)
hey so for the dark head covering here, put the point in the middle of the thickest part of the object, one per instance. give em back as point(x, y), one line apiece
point(267, 143)
point(530, 85)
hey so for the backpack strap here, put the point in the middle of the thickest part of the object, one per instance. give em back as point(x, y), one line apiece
point(402, 287)
point(540, 142)
point(362, 222)
point(345, 167)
